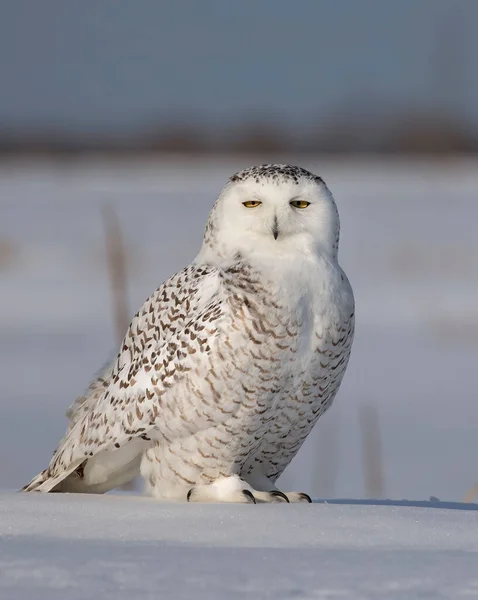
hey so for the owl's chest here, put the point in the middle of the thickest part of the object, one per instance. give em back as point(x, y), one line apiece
point(294, 317)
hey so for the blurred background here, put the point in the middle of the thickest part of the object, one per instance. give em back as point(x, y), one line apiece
point(147, 107)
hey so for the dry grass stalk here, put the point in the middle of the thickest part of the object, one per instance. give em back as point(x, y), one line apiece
point(116, 264)
point(328, 456)
point(372, 455)
point(117, 271)
point(471, 494)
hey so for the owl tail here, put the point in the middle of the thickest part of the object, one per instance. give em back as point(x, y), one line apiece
point(117, 475)
point(97, 474)
point(45, 482)
point(36, 483)
point(63, 463)
point(72, 470)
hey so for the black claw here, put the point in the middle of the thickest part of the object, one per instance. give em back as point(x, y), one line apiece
point(249, 495)
point(306, 497)
point(279, 495)
point(189, 493)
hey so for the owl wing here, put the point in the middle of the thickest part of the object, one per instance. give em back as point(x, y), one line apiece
point(170, 336)
point(83, 404)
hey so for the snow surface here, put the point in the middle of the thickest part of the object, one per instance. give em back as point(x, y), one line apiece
point(83, 547)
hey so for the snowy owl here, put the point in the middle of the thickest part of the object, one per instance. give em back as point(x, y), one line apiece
point(227, 367)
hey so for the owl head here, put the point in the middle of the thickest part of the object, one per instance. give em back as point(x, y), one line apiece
point(272, 210)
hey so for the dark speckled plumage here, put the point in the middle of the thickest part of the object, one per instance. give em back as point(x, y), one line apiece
point(275, 172)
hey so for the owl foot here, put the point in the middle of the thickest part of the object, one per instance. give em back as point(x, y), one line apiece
point(224, 489)
point(276, 496)
point(234, 489)
point(258, 481)
point(294, 497)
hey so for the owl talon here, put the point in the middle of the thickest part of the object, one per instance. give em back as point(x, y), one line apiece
point(250, 496)
point(279, 494)
point(303, 497)
point(295, 497)
point(273, 496)
point(224, 489)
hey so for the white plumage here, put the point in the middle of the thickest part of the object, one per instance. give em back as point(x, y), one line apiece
point(226, 368)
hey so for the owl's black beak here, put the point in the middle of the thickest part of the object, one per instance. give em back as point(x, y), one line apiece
point(275, 228)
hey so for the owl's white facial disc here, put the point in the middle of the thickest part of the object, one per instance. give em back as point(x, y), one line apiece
point(273, 210)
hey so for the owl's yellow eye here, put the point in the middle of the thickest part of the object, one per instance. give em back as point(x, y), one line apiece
point(299, 203)
point(252, 203)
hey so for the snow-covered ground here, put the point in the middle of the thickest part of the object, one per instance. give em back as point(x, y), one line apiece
point(81, 547)
point(409, 246)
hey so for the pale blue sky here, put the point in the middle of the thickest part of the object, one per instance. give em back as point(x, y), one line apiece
point(123, 65)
